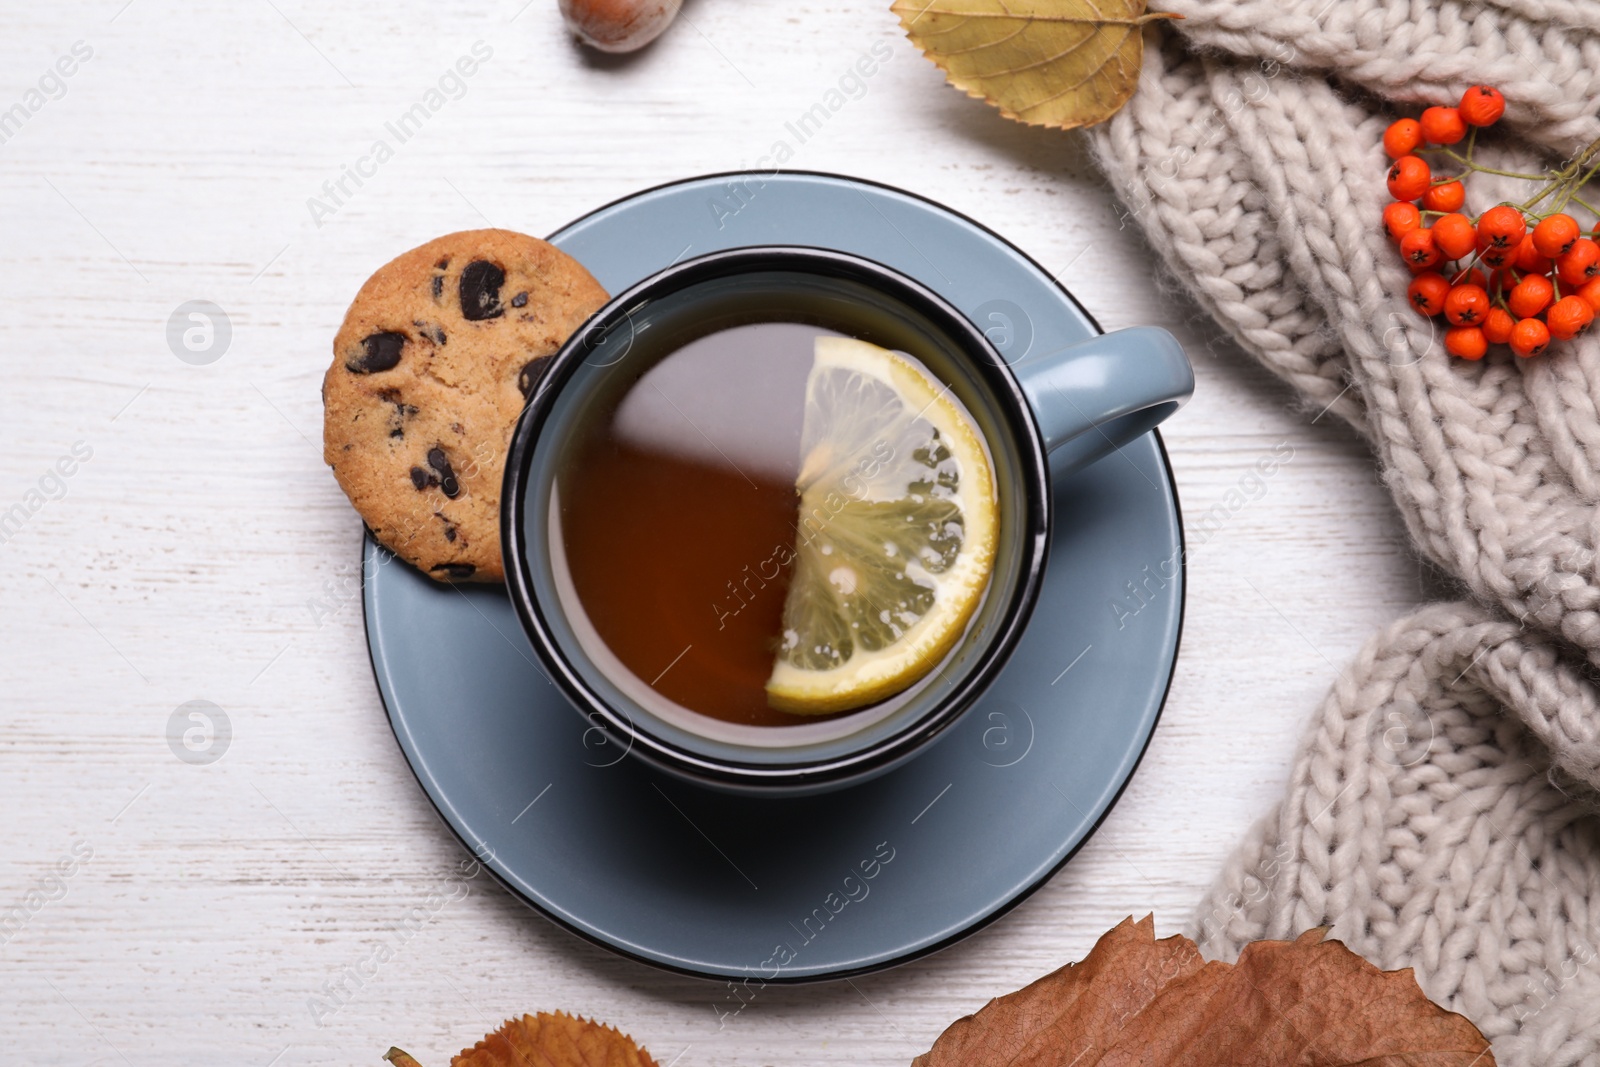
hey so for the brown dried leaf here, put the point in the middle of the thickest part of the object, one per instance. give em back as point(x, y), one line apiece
point(549, 1039)
point(1136, 1000)
point(1061, 63)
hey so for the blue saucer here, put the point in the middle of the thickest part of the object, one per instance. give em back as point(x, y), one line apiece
point(851, 881)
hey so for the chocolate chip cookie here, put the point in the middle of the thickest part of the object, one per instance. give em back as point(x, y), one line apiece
point(437, 356)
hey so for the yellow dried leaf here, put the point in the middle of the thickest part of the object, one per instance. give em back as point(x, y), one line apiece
point(1060, 63)
point(549, 1039)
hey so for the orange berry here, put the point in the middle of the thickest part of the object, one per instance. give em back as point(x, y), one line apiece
point(1419, 249)
point(1446, 196)
point(1590, 291)
point(1569, 316)
point(1493, 257)
point(1529, 261)
point(1555, 235)
point(1501, 227)
point(1530, 296)
point(1427, 292)
point(1469, 277)
point(1443, 125)
point(1529, 337)
point(1402, 138)
point(1579, 263)
point(1482, 105)
point(1409, 178)
point(1501, 281)
point(1468, 342)
point(1497, 326)
point(1400, 218)
point(1466, 305)
point(1454, 235)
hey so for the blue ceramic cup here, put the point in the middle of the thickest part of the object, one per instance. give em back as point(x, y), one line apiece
point(1042, 417)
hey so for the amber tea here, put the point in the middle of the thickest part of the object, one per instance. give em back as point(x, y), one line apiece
point(678, 517)
point(770, 522)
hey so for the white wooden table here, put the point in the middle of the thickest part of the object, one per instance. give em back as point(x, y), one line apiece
point(180, 560)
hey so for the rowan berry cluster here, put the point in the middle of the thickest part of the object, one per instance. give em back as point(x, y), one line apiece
point(1516, 274)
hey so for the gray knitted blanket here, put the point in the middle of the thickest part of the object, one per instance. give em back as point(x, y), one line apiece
point(1441, 812)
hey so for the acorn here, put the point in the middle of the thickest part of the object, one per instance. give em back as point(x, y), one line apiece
point(618, 25)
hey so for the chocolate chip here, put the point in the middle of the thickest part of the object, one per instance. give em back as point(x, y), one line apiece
point(449, 529)
point(379, 351)
point(441, 475)
point(438, 288)
point(520, 300)
point(447, 476)
point(432, 331)
point(402, 411)
point(532, 371)
point(480, 290)
point(454, 571)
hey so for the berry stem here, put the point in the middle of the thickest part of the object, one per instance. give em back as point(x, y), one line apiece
point(1562, 184)
point(1527, 206)
point(1480, 168)
point(1572, 190)
point(1472, 166)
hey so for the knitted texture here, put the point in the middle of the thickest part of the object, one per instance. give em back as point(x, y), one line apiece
point(1441, 811)
point(1427, 825)
point(1262, 187)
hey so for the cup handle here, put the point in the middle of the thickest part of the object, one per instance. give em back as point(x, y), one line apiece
point(1098, 395)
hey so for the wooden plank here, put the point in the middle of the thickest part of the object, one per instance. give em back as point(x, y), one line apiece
point(220, 899)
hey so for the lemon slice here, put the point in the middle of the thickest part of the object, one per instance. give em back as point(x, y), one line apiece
point(896, 533)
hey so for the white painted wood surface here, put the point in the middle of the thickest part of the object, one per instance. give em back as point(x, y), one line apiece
point(178, 565)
